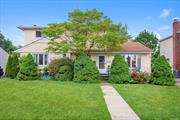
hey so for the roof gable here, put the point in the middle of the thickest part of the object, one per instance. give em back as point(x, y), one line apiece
point(132, 46)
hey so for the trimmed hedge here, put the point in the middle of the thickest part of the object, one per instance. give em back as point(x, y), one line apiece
point(12, 67)
point(85, 70)
point(161, 72)
point(119, 71)
point(66, 70)
point(28, 69)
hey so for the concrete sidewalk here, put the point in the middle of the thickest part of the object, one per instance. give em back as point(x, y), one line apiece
point(178, 81)
point(117, 106)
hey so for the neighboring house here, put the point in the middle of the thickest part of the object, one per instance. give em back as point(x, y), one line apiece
point(170, 48)
point(137, 55)
point(3, 58)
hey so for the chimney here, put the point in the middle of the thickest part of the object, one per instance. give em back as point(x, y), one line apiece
point(176, 46)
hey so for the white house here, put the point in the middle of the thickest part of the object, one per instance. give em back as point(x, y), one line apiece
point(170, 48)
point(137, 55)
point(3, 58)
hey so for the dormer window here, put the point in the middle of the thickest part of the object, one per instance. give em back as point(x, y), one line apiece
point(38, 34)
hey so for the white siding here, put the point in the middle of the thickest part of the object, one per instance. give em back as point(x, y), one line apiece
point(3, 58)
point(166, 49)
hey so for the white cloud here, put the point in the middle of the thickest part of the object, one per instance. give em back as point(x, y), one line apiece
point(165, 13)
point(148, 18)
point(163, 28)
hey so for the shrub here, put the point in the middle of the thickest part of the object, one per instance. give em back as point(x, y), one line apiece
point(141, 77)
point(135, 77)
point(161, 72)
point(53, 67)
point(65, 70)
point(119, 71)
point(1, 72)
point(28, 69)
point(145, 77)
point(45, 71)
point(85, 70)
point(12, 67)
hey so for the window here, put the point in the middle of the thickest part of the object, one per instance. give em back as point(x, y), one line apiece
point(101, 62)
point(38, 33)
point(134, 61)
point(46, 59)
point(41, 59)
point(129, 60)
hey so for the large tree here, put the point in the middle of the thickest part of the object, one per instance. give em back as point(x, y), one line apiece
point(84, 31)
point(149, 39)
point(6, 44)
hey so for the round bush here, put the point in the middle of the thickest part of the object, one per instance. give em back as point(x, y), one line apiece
point(65, 73)
point(161, 72)
point(119, 71)
point(66, 70)
point(85, 70)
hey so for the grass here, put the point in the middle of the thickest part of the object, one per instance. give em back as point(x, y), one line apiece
point(152, 102)
point(51, 100)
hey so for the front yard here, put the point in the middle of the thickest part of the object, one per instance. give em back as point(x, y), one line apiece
point(51, 100)
point(152, 102)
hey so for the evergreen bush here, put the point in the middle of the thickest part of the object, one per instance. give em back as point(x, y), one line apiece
point(85, 70)
point(28, 69)
point(66, 70)
point(12, 67)
point(119, 71)
point(161, 72)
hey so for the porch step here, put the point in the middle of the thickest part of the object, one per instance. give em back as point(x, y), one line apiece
point(104, 76)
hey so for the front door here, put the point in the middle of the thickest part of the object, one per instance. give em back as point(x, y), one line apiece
point(102, 64)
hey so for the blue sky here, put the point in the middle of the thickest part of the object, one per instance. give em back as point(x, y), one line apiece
point(154, 15)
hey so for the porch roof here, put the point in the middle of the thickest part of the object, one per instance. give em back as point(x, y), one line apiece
point(129, 47)
point(135, 47)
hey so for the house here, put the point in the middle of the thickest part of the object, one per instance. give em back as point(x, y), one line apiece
point(170, 48)
point(3, 58)
point(137, 55)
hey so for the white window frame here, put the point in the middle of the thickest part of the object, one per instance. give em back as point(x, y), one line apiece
point(37, 62)
point(131, 57)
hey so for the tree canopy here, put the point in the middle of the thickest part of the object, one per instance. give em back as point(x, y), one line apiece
point(84, 31)
point(6, 44)
point(149, 39)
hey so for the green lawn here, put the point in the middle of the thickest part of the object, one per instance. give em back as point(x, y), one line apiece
point(51, 100)
point(152, 102)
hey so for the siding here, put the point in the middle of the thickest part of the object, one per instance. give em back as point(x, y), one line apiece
point(3, 58)
point(166, 49)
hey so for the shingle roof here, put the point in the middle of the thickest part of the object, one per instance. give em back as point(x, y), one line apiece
point(131, 46)
point(166, 38)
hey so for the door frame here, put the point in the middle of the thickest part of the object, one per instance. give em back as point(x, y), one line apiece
point(102, 71)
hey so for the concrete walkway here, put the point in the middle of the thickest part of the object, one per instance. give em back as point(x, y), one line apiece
point(117, 106)
point(178, 81)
